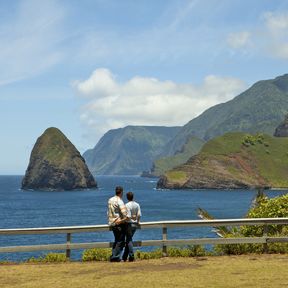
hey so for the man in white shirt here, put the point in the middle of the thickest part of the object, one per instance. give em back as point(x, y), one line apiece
point(133, 214)
point(117, 217)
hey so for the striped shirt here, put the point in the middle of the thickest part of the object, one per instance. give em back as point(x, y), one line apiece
point(134, 212)
point(116, 209)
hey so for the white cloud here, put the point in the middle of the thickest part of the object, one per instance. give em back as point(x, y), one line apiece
point(280, 50)
point(277, 33)
point(238, 39)
point(276, 21)
point(100, 83)
point(149, 101)
point(270, 38)
point(28, 39)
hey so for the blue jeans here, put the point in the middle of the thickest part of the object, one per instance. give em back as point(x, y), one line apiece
point(131, 229)
point(119, 232)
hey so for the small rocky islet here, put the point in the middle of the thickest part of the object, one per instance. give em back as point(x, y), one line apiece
point(56, 165)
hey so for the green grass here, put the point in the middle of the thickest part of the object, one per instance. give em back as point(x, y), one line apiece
point(226, 271)
point(224, 145)
point(177, 176)
point(54, 147)
point(191, 148)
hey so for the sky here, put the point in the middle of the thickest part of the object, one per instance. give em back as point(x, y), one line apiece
point(92, 65)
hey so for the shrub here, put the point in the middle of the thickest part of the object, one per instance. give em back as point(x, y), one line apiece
point(143, 255)
point(96, 254)
point(55, 257)
point(263, 208)
point(253, 139)
point(189, 251)
point(103, 254)
point(50, 257)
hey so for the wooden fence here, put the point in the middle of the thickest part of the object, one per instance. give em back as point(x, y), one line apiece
point(164, 242)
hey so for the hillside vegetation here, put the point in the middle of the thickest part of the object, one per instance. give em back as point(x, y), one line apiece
point(192, 147)
point(234, 160)
point(258, 109)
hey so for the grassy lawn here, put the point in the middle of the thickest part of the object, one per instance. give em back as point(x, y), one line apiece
point(225, 271)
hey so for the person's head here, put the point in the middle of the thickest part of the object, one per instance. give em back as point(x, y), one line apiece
point(119, 191)
point(130, 196)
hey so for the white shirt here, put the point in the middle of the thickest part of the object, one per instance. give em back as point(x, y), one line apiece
point(133, 211)
point(116, 209)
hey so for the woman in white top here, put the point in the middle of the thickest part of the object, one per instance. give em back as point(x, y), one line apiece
point(133, 215)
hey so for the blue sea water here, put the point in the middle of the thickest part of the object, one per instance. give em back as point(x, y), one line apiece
point(27, 209)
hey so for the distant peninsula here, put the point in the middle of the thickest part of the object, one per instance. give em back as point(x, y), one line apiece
point(56, 165)
point(234, 160)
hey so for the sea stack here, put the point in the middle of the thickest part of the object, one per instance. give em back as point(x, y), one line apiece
point(282, 129)
point(56, 165)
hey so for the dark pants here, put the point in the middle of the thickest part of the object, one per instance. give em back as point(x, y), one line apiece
point(131, 229)
point(119, 232)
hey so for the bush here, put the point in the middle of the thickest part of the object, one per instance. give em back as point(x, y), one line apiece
point(103, 254)
point(189, 251)
point(264, 208)
point(253, 139)
point(50, 257)
point(144, 255)
point(268, 208)
point(96, 254)
point(240, 249)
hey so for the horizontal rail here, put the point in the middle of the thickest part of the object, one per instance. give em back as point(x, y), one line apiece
point(178, 242)
point(148, 225)
point(164, 242)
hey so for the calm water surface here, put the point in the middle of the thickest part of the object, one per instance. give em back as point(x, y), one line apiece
point(25, 209)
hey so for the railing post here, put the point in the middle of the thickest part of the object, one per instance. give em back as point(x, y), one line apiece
point(265, 234)
point(68, 250)
point(164, 238)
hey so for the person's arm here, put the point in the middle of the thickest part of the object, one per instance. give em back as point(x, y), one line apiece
point(129, 215)
point(124, 213)
point(139, 215)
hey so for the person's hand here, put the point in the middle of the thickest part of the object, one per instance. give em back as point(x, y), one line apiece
point(118, 221)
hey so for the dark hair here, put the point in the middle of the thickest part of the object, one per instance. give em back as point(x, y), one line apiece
point(118, 190)
point(130, 196)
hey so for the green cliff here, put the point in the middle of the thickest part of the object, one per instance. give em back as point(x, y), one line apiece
point(129, 150)
point(233, 160)
point(258, 109)
point(55, 164)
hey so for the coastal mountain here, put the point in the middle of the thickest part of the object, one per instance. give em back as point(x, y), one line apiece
point(233, 160)
point(129, 150)
point(258, 109)
point(55, 164)
point(134, 149)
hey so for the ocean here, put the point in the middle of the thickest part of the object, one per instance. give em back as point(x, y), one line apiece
point(28, 209)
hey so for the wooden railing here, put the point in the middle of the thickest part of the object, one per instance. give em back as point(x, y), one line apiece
point(164, 242)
